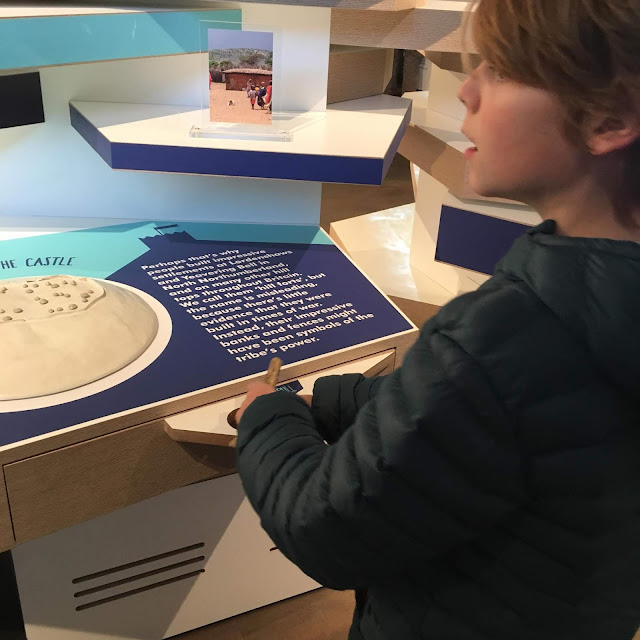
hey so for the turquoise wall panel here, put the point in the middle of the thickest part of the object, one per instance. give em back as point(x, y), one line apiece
point(57, 40)
point(104, 250)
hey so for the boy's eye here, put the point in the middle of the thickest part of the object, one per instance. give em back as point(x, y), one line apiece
point(494, 71)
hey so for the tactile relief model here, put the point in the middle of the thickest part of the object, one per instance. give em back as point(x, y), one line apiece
point(61, 332)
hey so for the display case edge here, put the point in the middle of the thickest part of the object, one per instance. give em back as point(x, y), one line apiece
point(71, 484)
point(7, 539)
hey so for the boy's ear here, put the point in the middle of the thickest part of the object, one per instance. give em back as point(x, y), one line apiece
point(612, 133)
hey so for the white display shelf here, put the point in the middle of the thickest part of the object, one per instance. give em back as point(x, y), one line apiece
point(444, 128)
point(379, 243)
point(354, 142)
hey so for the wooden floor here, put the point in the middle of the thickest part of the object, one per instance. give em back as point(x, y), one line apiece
point(318, 615)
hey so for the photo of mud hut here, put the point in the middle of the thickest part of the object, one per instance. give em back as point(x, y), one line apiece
point(240, 76)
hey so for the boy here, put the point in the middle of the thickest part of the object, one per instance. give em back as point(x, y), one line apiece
point(490, 487)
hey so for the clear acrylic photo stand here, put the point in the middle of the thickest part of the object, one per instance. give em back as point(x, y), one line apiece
point(284, 122)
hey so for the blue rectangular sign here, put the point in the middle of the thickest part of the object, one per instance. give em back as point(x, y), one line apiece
point(475, 241)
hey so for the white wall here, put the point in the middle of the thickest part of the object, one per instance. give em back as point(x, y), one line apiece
point(300, 82)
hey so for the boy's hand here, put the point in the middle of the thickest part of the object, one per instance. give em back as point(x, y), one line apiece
point(254, 390)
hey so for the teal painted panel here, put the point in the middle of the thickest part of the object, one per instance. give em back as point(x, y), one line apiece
point(102, 251)
point(57, 40)
point(97, 252)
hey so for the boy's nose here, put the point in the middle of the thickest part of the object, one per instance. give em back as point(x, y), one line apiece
point(469, 95)
point(460, 94)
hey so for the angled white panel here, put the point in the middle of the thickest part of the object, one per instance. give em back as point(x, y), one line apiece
point(164, 566)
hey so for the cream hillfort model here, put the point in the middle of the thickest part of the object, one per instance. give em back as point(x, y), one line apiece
point(158, 248)
point(62, 332)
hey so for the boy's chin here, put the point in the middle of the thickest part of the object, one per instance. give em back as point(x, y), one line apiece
point(489, 191)
point(483, 190)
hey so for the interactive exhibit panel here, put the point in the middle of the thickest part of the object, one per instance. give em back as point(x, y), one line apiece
point(126, 345)
point(101, 322)
point(110, 333)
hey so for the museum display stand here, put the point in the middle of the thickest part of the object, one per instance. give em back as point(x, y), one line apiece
point(118, 497)
point(335, 148)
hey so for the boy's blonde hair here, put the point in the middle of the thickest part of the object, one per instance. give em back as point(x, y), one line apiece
point(586, 52)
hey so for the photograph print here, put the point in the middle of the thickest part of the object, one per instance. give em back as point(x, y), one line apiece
point(240, 76)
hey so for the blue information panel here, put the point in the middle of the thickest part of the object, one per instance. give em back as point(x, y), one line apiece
point(236, 298)
point(475, 241)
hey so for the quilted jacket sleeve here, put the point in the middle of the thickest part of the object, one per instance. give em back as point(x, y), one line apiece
point(430, 462)
point(337, 400)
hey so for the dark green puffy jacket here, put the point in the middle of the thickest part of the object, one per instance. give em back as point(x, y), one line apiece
point(489, 489)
